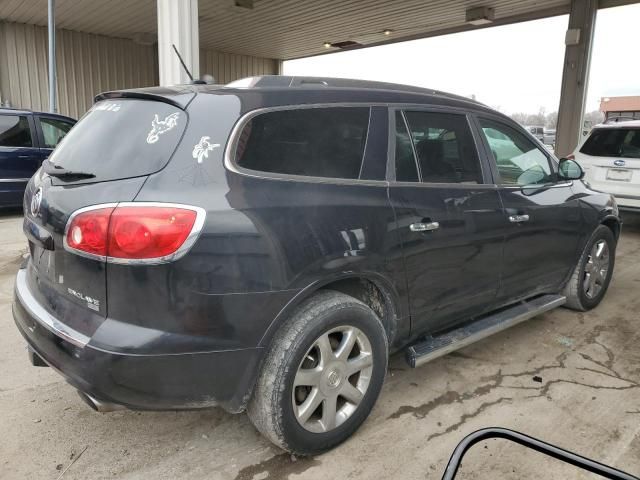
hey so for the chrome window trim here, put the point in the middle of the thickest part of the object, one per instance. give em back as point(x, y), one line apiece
point(11, 180)
point(230, 149)
point(180, 252)
point(44, 318)
point(466, 186)
point(509, 186)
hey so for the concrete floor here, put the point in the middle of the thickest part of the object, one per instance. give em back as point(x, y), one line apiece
point(588, 400)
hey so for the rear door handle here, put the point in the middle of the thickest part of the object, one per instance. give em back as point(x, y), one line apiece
point(424, 226)
point(518, 218)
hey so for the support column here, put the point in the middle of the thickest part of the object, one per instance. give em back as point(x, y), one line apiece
point(178, 25)
point(51, 27)
point(575, 76)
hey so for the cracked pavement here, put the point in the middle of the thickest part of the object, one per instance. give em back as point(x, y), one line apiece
point(568, 378)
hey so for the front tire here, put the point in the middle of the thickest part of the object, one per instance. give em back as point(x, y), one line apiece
point(322, 375)
point(592, 275)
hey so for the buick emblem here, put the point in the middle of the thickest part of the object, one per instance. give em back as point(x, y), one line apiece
point(619, 163)
point(35, 202)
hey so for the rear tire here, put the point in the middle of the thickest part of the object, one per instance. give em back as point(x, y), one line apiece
point(588, 284)
point(322, 375)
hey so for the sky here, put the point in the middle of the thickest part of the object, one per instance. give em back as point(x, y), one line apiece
point(513, 68)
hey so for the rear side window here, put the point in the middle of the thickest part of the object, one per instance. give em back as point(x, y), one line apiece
point(314, 142)
point(53, 130)
point(613, 142)
point(122, 138)
point(15, 131)
point(444, 147)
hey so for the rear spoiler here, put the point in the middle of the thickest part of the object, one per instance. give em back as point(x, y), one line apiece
point(178, 97)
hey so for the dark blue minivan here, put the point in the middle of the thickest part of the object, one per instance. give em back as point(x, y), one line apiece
point(26, 139)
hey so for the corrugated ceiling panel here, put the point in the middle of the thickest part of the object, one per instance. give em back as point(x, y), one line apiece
point(89, 64)
point(281, 29)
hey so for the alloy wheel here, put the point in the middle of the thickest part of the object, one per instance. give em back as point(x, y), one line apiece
point(332, 379)
point(596, 269)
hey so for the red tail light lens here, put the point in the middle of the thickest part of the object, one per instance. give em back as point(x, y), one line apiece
point(133, 232)
point(87, 232)
point(148, 232)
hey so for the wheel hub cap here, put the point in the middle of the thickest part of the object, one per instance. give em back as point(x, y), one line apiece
point(332, 379)
point(596, 269)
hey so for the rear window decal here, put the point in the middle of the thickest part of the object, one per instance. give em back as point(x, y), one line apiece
point(107, 107)
point(158, 127)
point(202, 148)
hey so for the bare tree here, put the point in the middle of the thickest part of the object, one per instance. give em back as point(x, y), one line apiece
point(520, 117)
point(594, 117)
point(551, 120)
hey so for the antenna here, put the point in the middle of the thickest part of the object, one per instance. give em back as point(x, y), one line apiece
point(182, 62)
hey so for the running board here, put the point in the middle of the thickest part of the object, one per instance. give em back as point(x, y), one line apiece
point(434, 347)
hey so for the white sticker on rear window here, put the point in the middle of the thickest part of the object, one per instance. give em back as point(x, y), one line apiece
point(108, 107)
point(158, 127)
point(202, 148)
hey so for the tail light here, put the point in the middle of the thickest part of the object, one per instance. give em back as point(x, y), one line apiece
point(133, 232)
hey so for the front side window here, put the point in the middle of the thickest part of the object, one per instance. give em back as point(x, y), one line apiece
point(53, 130)
point(519, 160)
point(15, 131)
point(444, 147)
point(613, 142)
point(315, 142)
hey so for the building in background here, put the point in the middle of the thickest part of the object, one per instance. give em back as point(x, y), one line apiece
point(620, 108)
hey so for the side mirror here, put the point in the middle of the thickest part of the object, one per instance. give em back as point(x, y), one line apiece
point(570, 170)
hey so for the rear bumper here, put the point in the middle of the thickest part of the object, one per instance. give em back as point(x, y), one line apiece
point(628, 202)
point(144, 382)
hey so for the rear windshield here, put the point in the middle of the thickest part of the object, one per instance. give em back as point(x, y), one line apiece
point(315, 142)
point(121, 138)
point(613, 142)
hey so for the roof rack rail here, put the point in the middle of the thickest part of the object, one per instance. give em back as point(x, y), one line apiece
point(288, 81)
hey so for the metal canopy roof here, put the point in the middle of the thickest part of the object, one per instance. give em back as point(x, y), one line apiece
point(285, 29)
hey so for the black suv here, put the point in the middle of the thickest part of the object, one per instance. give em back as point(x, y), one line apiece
point(265, 245)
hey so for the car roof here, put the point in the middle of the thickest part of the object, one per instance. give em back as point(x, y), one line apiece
point(282, 90)
point(17, 111)
point(621, 124)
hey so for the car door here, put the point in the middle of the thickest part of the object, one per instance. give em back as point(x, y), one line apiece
point(542, 221)
point(447, 217)
point(51, 131)
point(19, 156)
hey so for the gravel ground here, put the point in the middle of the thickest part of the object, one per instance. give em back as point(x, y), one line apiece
point(585, 397)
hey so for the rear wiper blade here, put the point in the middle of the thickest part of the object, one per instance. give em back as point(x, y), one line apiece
point(59, 172)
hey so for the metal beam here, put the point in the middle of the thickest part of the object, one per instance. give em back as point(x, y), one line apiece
point(575, 76)
point(53, 101)
point(178, 25)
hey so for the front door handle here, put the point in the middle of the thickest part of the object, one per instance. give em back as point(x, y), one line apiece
point(424, 226)
point(518, 218)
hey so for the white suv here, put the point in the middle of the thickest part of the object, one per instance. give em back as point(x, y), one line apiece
point(610, 157)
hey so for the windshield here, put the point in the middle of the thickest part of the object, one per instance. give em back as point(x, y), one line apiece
point(613, 142)
point(121, 138)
